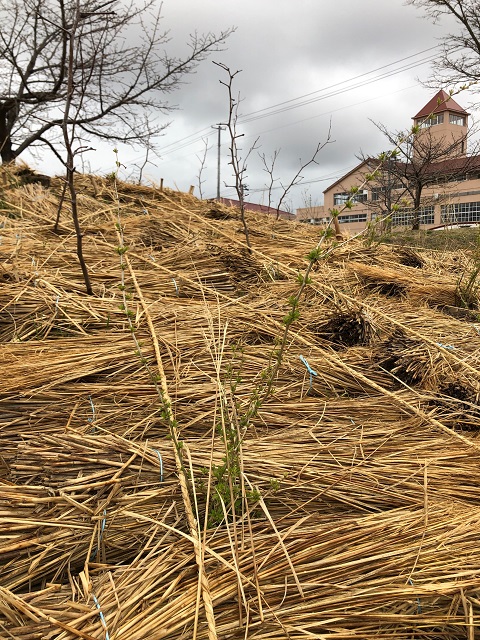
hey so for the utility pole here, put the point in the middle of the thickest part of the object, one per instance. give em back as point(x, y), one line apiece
point(219, 127)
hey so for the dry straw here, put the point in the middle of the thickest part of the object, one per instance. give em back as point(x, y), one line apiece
point(360, 504)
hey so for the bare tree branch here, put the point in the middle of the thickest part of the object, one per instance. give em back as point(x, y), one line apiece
point(239, 165)
point(202, 159)
point(458, 66)
point(114, 80)
point(296, 179)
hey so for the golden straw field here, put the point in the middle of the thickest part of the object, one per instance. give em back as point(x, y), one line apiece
point(161, 478)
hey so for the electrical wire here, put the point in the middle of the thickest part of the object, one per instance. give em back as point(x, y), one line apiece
point(293, 103)
point(340, 91)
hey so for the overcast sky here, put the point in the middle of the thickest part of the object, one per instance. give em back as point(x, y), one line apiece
point(321, 63)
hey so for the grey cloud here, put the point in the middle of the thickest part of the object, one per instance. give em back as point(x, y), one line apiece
point(285, 50)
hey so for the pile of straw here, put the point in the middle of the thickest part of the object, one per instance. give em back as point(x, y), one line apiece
point(347, 329)
point(347, 492)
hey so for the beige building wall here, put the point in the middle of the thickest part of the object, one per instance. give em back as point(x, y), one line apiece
point(442, 198)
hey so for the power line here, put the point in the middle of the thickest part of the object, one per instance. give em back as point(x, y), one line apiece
point(193, 138)
point(362, 75)
point(274, 109)
point(329, 112)
point(340, 91)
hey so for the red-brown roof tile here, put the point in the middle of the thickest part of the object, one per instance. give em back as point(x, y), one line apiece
point(261, 208)
point(440, 103)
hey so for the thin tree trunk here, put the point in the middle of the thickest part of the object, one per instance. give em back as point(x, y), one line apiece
point(60, 205)
point(70, 160)
point(78, 231)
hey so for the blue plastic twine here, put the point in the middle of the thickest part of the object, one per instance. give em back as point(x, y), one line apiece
point(93, 409)
point(309, 369)
point(102, 617)
point(93, 418)
point(176, 286)
point(446, 346)
point(161, 463)
point(419, 605)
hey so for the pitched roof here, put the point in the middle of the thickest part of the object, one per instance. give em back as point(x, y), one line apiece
point(452, 166)
point(440, 103)
point(449, 167)
point(368, 162)
point(261, 208)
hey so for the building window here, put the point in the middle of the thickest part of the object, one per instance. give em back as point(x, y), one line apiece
point(319, 220)
point(435, 118)
point(354, 217)
point(463, 212)
point(404, 217)
point(342, 198)
point(456, 119)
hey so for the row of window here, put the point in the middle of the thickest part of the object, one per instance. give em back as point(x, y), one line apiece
point(456, 119)
point(404, 218)
point(354, 217)
point(464, 212)
point(342, 198)
point(377, 193)
point(437, 118)
point(401, 218)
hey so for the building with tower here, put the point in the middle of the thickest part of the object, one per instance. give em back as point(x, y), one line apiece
point(430, 180)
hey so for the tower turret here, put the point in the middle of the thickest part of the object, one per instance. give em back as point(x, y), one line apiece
point(446, 122)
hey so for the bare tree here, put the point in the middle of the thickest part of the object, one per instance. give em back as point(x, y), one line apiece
point(420, 159)
point(296, 179)
point(459, 64)
point(387, 193)
point(76, 32)
point(148, 143)
point(118, 79)
point(202, 159)
point(269, 168)
point(239, 164)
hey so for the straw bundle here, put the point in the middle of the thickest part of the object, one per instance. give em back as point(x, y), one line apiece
point(410, 258)
point(347, 329)
point(399, 282)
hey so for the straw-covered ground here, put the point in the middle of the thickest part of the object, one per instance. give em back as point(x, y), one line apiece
point(162, 478)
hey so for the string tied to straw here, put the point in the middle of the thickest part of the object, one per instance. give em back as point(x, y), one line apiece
point(101, 616)
point(92, 419)
point(419, 604)
point(446, 346)
point(161, 463)
point(311, 372)
point(104, 522)
point(175, 285)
